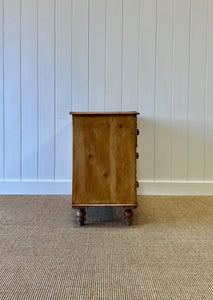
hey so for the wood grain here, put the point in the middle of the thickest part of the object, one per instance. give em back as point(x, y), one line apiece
point(104, 160)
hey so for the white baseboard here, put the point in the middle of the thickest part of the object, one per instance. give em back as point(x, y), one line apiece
point(176, 188)
point(65, 188)
point(35, 187)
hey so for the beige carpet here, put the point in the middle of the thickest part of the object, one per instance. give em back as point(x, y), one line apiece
point(166, 254)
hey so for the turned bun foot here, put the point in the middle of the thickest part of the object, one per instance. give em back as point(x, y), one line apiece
point(80, 217)
point(128, 213)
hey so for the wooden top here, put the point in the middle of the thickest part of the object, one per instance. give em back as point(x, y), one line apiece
point(105, 113)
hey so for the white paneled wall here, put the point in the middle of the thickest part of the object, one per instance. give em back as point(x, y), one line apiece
point(29, 90)
point(1, 91)
point(154, 56)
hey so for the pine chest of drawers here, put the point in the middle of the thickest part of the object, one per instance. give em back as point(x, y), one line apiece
point(104, 162)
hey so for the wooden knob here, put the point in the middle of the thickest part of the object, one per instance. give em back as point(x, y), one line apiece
point(137, 155)
point(137, 184)
point(138, 131)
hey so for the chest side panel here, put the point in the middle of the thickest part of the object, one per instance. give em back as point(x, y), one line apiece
point(91, 159)
point(104, 159)
point(123, 159)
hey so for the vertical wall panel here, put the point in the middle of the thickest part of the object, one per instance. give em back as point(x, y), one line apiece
point(1, 89)
point(113, 55)
point(131, 13)
point(163, 103)
point(46, 89)
point(29, 88)
point(209, 99)
point(147, 89)
point(180, 89)
point(97, 53)
point(80, 55)
point(63, 90)
point(197, 90)
point(80, 43)
point(12, 89)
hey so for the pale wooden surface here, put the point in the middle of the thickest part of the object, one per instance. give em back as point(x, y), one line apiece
point(104, 160)
point(104, 113)
point(123, 205)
